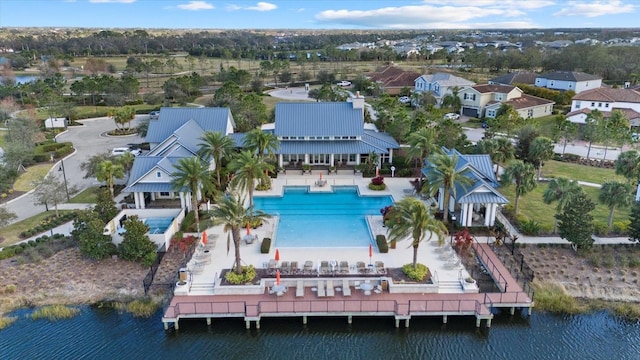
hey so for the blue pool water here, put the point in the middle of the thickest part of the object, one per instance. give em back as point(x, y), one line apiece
point(336, 219)
point(158, 225)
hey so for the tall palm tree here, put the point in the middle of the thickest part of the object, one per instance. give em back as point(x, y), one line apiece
point(453, 100)
point(615, 194)
point(247, 168)
point(217, 146)
point(421, 144)
point(443, 173)
point(231, 212)
point(504, 151)
point(261, 142)
point(628, 165)
point(108, 171)
point(541, 150)
point(126, 160)
point(523, 175)
point(563, 191)
point(412, 219)
point(192, 174)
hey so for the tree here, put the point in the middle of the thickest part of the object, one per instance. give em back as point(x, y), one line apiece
point(136, 245)
point(452, 100)
point(91, 167)
point(613, 130)
point(261, 142)
point(450, 134)
point(6, 217)
point(540, 151)
point(422, 98)
point(108, 172)
point(411, 219)
point(634, 225)
point(50, 191)
point(576, 222)
point(615, 194)
point(590, 130)
point(628, 165)
point(123, 116)
point(443, 175)
point(560, 190)
point(421, 145)
point(504, 151)
point(231, 212)
point(523, 175)
point(525, 136)
point(105, 207)
point(248, 168)
point(88, 231)
point(564, 130)
point(507, 120)
point(217, 146)
point(191, 174)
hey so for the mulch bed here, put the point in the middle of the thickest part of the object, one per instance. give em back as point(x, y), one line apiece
point(11, 196)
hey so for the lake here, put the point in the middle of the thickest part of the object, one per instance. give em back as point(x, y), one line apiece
point(22, 79)
point(107, 334)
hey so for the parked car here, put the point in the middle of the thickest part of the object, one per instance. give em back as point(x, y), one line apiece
point(344, 83)
point(154, 115)
point(119, 151)
point(485, 125)
point(452, 116)
point(135, 152)
point(404, 99)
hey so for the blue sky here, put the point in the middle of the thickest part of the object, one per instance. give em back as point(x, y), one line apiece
point(320, 14)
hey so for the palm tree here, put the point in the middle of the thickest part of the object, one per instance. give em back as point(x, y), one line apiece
point(540, 150)
point(108, 172)
point(192, 174)
point(231, 212)
point(452, 100)
point(615, 194)
point(504, 151)
point(248, 168)
point(412, 219)
point(217, 146)
point(444, 174)
point(563, 191)
point(126, 160)
point(421, 144)
point(261, 142)
point(523, 175)
point(628, 165)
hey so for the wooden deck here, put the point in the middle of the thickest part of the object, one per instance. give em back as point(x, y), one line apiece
point(402, 306)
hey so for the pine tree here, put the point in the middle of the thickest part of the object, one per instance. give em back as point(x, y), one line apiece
point(634, 226)
point(576, 221)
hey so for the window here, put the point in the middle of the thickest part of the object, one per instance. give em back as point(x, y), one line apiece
point(158, 174)
point(285, 138)
point(606, 105)
point(530, 113)
point(498, 97)
point(551, 83)
point(352, 137)
point(164, 193)
point(325, 138)
point(570, 85)
point(491, 113)
point(599, 104)
point(345, 138)
point(352, 157)
point(577, 104)
point(593, 104)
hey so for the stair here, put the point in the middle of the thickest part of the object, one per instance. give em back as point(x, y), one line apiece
point(449, 287)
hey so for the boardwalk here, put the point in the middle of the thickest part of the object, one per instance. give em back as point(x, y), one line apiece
point(402, 306)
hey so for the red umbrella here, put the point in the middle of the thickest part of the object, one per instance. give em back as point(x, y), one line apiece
point(204, 238)
point(370, 253)
point(278, 277)
point(248, 229)
point(320, 176)
point(277, 255)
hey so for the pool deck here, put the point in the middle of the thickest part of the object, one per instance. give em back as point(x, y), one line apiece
point(203, 296)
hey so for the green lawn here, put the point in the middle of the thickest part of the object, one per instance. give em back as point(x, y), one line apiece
point(545, 125)
point(532, 206)
point(3, 141)
point(11, 233)
point(35, 173)
point(591, 174)
point(88, 196)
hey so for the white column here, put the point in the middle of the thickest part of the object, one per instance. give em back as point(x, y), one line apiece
point(142, 204)
point(306, 159)
point(332, 160)
point(357, 159)
point(280, 160)
point(463, 214)
point(136, 198)
point(440, 199)
point(182, 200)
point(390, 156)
point(487, 214)
point(153, 196)
point(469, 215)
point(452, 203)
point(494, 209)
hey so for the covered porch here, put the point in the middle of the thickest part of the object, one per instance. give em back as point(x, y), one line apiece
point(158, 195)
point(329, 153)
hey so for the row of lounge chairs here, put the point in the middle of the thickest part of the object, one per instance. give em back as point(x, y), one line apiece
point(332, 267)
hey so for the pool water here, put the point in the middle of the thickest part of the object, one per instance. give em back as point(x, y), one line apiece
point(158, 225)
point(335, 219)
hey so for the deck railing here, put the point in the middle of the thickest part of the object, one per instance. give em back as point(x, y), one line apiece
point(324, 306)
point(440, 306)
point(490, 265)
point(208, 307)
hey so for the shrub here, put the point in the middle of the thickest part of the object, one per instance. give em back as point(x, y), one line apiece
point(6, 321)
point(54, 312)
point(248, 274)
point(620, 227)
point(188, 221)
point(600, 228)
point(530, 227)
point(145, 307)
point(406, 172)
point(7, 253)
point(378, 180)
point(381, 240)
point(265, 246)
point(374, 187)
point(418, 273)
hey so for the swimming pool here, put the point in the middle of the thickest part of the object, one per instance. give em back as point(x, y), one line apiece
point(336, 219)
point(158, 225)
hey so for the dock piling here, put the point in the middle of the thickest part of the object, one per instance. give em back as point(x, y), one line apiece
point(444, 319)
point(349, 319)
point(208, 321)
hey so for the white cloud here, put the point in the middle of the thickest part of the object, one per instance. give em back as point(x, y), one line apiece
point(261, 6)
point(595, 8)
point(196, 6)
point(520, 4)
point(112, 1)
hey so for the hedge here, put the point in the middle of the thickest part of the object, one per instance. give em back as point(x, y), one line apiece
point(381, 240)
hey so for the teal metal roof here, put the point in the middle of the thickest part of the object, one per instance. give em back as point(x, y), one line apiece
point(380, 139)
point(318, 119)
point(328, 147)
point(171, 119)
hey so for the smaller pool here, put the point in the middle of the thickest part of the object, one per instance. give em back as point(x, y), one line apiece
point(158, 225)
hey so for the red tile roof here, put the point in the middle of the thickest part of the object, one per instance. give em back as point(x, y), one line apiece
point(609, 95)
point(489, 88)
point(528, 101)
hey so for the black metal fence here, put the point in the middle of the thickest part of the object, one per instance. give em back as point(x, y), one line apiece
point(148, 279)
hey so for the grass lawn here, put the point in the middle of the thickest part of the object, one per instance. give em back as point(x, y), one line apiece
point(545, 125)
point(532, 206)
point(11, 233)
point(3, 141)
point(591, 174)
point(88, 196)
point(34, 173)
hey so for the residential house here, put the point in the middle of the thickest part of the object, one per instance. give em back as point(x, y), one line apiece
point(440, 84)
point(568, 80)
point(393, 79)
point(329, 134)
point(484, 100)
point(516, 77)
point(475, 204)
point(606, 100)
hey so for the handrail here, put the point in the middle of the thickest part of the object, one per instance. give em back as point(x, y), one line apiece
point(432, 306)
point(488, 262)
point(320, 306)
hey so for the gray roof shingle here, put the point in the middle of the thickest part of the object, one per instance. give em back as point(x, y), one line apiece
point(569, 76)
point(318, 119)
point(170, 119)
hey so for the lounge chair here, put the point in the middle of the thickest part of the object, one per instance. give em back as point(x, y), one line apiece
point(453, 264)
point(284, 267)
point(321, 290)
point(380, 267)
point(308, 267)
point(324, 267)
point(294, 267)
point(330, 289)
point(346, 289)
point(273, 264)
point(361, 267)
point(344, 267)
point(300, 288)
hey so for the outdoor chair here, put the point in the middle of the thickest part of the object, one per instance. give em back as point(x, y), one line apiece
point(379, 265)
point(344, 267)
point(361, 267)
point(330, 289)
point(324, 267)
point(273, 264)
point(453, 264)
point(300, 288)
point(284, 267)
point(346, 289)
point(294, 267)
point(308, 267)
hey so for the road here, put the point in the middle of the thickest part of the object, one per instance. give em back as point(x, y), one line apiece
point(88, 140)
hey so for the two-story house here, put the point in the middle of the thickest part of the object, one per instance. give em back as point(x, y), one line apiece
point(485, 100)
point(606, 100)
point(568, 80)
point(393, 79)
point(441, 84)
